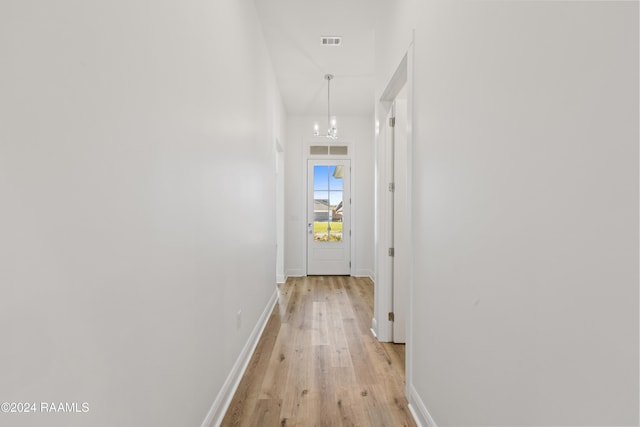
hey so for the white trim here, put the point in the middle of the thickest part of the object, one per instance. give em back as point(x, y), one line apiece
point(296, 272)
point(419, 411)
point(374, 327)
point(410, 148)
point(383, 294)
point(280, 209)
point(363, 272)
point(223, 400)
point(384, 274)
point(353, 205)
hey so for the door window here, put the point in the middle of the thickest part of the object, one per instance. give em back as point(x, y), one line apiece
point(328, 203)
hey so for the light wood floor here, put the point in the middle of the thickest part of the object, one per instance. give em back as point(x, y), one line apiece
point(317, 363)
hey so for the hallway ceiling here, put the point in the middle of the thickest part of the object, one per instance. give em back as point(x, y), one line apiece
point(293, 28)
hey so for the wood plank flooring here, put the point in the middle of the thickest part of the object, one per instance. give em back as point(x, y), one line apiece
point(317, 363)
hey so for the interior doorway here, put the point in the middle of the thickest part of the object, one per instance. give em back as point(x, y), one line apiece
point(400, 215)
point(393, 209)
point(392, 321)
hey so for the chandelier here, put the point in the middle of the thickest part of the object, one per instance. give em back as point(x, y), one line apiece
point(332, 130)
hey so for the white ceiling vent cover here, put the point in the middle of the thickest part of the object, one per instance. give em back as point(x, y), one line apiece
point(330, 41)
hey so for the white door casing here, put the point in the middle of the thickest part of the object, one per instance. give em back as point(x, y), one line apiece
point(401, 221)
point(386, 310)
point(383, 297)
point(328, 217)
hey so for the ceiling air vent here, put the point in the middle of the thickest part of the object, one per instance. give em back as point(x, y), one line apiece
point(330, 41)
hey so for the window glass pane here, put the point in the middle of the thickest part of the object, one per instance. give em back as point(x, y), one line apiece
point(335, 235)
point(321, 206)
point(336, 177)
point(321, 231)
point(316, 150)
point(320, 178)
point(321, 215)
point(335, 204)
point(341, 150)
point(336, 209)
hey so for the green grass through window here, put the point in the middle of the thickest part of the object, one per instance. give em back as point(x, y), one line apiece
point(322, 227)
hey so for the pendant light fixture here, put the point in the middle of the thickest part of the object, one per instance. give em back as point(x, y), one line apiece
point(332, 130)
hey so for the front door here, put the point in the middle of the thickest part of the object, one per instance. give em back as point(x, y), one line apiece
point(328, 217)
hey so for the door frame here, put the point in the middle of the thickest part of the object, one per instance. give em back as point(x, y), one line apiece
point(381, 326)
point(400, 218)
point(306, 156)
point(280, 209)
point(340, 263)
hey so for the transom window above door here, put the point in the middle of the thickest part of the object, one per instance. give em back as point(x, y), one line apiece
point(328, 150)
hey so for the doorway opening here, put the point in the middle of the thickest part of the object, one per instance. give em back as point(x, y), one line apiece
point(399, 221)
point(394, 259)
point(329, 217)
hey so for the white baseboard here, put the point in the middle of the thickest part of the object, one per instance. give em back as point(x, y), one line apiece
point(281, 278)
point(364, 273)
point(295, 273)
point(418, 410)
point(223, 400)
point(374, 327)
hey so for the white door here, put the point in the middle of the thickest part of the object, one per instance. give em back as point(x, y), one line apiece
point(328, 217)
point(401, 219)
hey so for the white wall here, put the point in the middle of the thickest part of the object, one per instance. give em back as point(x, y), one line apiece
point(359, 131)
point(525, 196)
point(137, 187)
